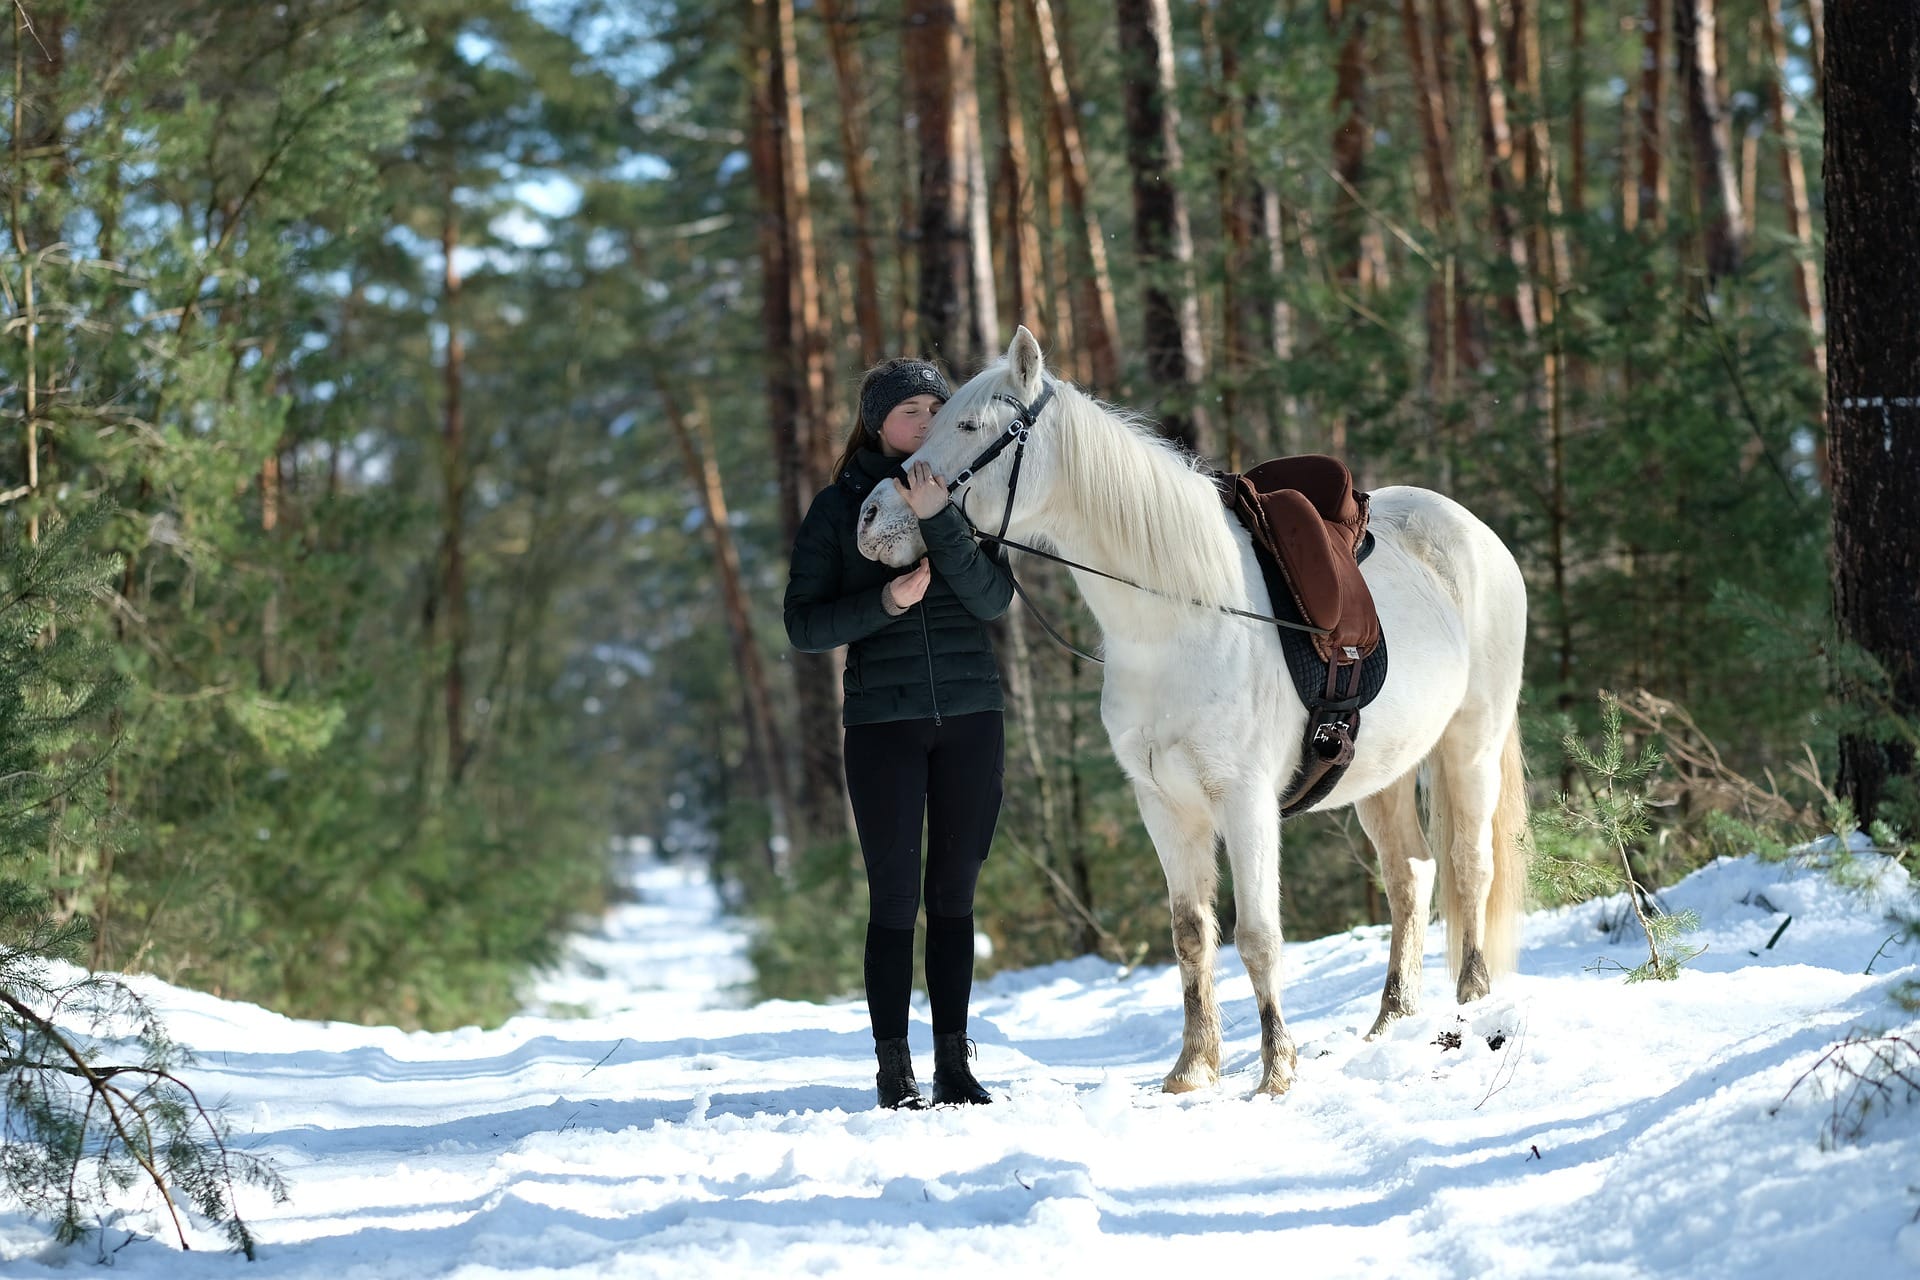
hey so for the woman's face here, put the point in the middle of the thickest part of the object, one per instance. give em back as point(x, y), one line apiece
point(905, 429)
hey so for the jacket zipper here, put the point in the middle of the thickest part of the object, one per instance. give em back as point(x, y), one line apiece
point(932, 690)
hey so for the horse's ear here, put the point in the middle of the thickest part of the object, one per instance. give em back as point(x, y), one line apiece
point(1025, 360)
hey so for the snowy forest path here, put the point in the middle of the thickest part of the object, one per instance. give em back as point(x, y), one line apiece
point(640, 1120)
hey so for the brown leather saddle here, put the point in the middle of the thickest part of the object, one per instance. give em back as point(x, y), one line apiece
point(1309, 531)
point(1303, 511)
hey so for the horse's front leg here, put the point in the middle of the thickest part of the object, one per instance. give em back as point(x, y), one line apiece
point(1184, 840)
point(1391, 820)
point(1250, 821)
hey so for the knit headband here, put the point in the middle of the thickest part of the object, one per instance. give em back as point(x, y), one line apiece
point(902, 382)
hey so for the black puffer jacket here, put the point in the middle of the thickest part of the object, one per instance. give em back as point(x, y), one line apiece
point(935, 659)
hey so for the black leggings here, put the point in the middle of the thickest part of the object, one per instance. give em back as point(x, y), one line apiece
point(948, 772)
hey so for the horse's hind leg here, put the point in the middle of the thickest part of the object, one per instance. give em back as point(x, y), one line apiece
point(1391, 819)
point(1466, 791)
point(1184, 841)
point(1252, 831)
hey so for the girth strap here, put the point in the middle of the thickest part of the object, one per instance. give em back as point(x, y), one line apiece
point(1333, 723)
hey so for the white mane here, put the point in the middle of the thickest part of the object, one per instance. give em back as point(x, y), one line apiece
point(1129, 499)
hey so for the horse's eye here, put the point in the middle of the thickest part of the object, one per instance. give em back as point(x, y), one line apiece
point(968, 425)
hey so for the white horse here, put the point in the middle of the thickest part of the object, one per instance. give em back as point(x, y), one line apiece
point(1204, 718)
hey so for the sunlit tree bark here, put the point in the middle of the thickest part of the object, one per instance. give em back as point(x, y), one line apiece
point(1096, 318)
point(1797, 211)
point(1162, 237)
point(766, 748)
point(849, 78)
point(1716, 188)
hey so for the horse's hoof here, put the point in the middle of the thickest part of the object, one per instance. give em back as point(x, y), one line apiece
point(1276, 1073)
point(1190, 1081)
point(1385, 1021)
point(1474, 981)
point(1274, 1084)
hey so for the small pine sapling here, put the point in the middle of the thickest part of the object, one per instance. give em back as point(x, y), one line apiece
point(1583, 845)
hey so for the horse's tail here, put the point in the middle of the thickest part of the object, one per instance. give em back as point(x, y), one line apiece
point(1512, 846)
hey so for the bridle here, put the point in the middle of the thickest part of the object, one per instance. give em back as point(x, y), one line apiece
point(1025, 416)
point(1017, 432)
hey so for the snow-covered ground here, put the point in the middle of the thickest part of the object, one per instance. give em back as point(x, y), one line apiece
point(641, 1122)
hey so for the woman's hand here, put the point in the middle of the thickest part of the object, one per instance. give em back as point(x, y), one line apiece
point(907, 589)
point(926, 493)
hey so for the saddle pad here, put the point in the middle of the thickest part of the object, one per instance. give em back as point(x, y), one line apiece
point(1304, 663)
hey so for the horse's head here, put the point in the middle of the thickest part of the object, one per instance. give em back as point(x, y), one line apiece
point(966, 426)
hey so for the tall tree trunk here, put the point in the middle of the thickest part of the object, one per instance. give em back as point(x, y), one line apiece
point(1817, 34)
point(1511, 245)
point(1449, 330)
point(1032, 733)
point(1234, 193)
point(821, 807)
point(1096, 317)
point(776, 266)
point(1716, 188)
point(1799, 218)
point(30, 391)
point(1872, 176)
point(810, 325)
point(906, 222)
point(766, 748)
point(849, 78)
point(1549, 254)
point(1446, 60)
point(1286, 412)
point(1352, 136)
point(842, 306)
point(932, 63)
point(1628, 207)
point(1079, 866)
point(1749, 182)
point(1549, 238)
point(1163, 239)
point(824, 804)
point(1436, 140)
point(35, 138)
point(1577, 112)
point(1496, 147)
point(1055, 255)
point(453, 446)
point(983, 315)
point(1650, 208)
point(1020, 237)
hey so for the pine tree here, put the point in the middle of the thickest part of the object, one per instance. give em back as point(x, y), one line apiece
point(82, 1128)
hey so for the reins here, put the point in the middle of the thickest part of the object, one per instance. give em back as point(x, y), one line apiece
point(1016, 434)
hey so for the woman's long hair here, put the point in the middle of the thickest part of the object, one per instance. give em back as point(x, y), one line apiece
point(864, 435)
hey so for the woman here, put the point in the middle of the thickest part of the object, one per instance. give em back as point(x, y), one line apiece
point(922, 717)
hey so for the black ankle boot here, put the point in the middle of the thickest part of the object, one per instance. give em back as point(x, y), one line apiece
point(898, 1091)
point(952, 1079)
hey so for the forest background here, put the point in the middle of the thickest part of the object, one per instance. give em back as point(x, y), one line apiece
point(446, 381)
